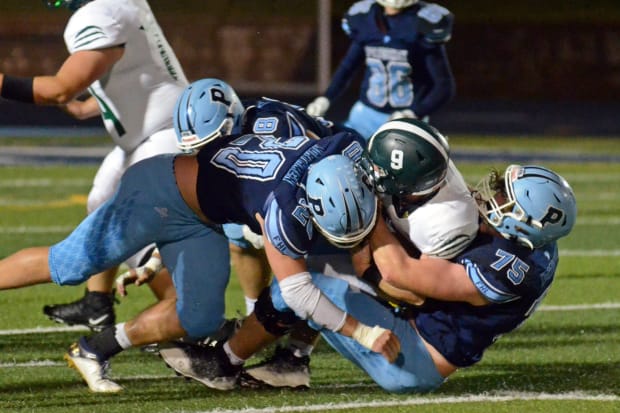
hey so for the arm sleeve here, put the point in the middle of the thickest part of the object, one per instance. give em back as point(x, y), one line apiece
point(441, 84)
point(308, 302)
point(352, 61)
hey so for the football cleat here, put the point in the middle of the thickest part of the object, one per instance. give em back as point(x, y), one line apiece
point(283, 369)
point(95, 310)
point(208, 365)
point(226, 331)
point(93, 371)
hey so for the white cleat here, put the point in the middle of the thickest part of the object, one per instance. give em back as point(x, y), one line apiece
point(93, 371)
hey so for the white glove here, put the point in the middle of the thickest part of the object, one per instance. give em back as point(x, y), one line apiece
point(405, 113)
point(318, 106)
point(253, 238)
point(140, 275)
point(366, 335)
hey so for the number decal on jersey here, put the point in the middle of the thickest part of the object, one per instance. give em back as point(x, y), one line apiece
point(396, 159)
point(518, 269)
point(106, 113)
point(389, 83)
point(257, 166)
point(265, 126)
point(271, 142)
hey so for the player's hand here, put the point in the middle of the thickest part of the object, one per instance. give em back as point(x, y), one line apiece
point(405, 113)
point(318, 106)
point(140, 275)
point(253, 238)
point(379, 340)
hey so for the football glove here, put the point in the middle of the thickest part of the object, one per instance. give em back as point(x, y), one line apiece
point(140, 275)
point(405, 113)
point(253, 238)
point(318, 106)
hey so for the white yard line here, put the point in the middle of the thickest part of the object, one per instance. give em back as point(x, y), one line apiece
point(425, 400)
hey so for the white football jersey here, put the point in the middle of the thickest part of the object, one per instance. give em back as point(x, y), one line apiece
point(444, 225)
point(137, 97)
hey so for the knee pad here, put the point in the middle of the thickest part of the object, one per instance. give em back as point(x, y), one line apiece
point(274, 321)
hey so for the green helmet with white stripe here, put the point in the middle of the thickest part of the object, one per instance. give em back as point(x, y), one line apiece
point(407, 157)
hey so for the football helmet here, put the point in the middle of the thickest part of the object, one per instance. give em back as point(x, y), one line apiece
point(397, 4)
point(207, 109)
point(536, 206)
point(406, 157)
point(70, 4)
point(342, 207)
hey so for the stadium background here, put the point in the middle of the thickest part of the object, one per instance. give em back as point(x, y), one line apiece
point(522, 67)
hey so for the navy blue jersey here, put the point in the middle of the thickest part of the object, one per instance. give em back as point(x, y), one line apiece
point(270, 117)
point(406, 65)
point(513, 278)
point(239, 176)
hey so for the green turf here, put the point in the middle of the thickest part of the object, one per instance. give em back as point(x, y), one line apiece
point(569, 353)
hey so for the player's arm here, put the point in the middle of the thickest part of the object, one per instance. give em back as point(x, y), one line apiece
point(361, 258)
point(78, 72)
point(308, 302)
point(428, 277)
point(442, 86)
point(353, 60)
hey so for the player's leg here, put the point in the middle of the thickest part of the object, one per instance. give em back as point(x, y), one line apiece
point(95, 309)
point(365, 120)
point(289, 366)
point(187, 246)
point(414, 371)
point(25, 267)
point(249, 263)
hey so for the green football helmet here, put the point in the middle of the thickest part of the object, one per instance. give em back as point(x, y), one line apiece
point(407, 157)
point(72, 5)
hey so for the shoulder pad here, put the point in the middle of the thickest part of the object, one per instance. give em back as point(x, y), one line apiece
point(355, 17)
point(435, 23)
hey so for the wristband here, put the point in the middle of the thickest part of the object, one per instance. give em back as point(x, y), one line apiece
point(18, 88)
point(366, 335)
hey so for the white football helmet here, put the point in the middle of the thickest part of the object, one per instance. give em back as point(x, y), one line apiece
point(397, 4)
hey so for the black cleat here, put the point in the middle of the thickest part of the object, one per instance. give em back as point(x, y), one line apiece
point(95, 310)
point(283, 369)
point(209, 365)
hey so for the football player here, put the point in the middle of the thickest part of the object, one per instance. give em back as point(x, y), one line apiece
point(119, 54)
point(428, 204)
point(461, 305)
point(484, 292)
point(292, 191)
point(210, 108)
point(401, 43)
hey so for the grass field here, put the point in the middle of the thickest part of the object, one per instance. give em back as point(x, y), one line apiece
point(565, 358)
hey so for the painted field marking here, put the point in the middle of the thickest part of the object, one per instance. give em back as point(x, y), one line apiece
point(425, 400)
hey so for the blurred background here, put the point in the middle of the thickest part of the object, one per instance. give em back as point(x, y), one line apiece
point(522, 67)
